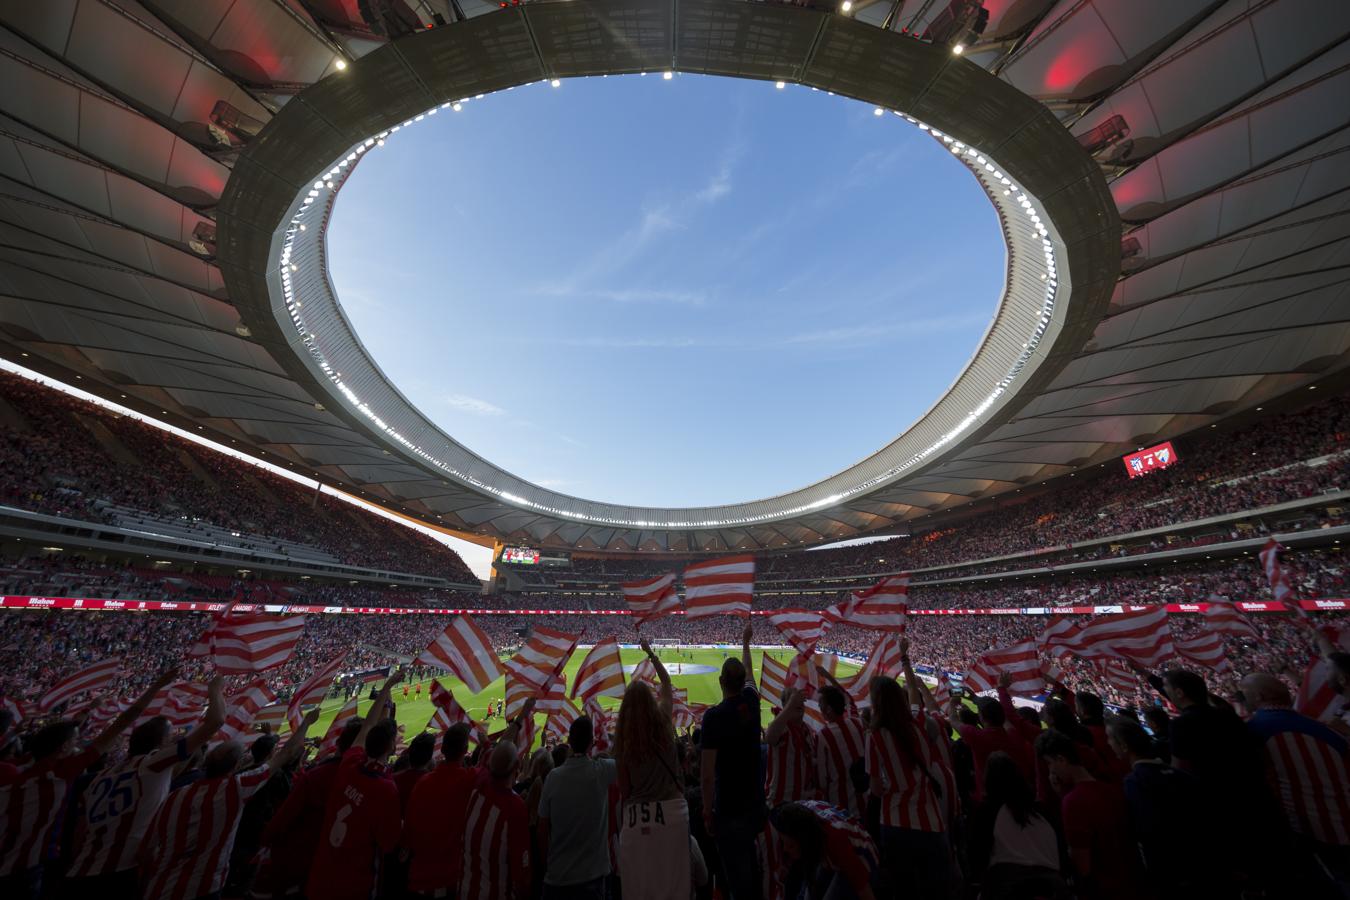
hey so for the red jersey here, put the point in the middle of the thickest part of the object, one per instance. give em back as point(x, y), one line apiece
point(404, 781)
point(908, 788)
point(433, 828)
point(1097, 820)
point(791, 766)
point(985, 742)
point(361, 825)
point(188, 845)
point(293, 833)
point(30, 806)
point(838, 746)
point(496, 845)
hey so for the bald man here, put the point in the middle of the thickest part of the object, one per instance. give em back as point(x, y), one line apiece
point(1306, 764)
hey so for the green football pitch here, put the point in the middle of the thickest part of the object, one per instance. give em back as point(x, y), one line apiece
point(414, 712)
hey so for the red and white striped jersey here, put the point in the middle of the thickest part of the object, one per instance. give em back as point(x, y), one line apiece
point(189, 844)
point(838, 745)
point(30, 806)
point(496, 845)
point(117, 810)
point(791, 766)
point(908, 790)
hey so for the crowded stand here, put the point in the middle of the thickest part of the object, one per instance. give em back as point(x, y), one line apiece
point(63, 456)
point(968, 751)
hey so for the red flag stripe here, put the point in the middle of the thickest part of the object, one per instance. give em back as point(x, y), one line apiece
point(313, 690)
point(601, 672)
point(722, 586)
point(91, 678)
point(466, 650)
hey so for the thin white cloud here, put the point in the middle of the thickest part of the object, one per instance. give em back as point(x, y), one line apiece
point(867, 334)
point(630, 295)
point(472, 405)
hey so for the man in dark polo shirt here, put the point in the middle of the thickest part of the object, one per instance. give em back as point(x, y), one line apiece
point(733, 789)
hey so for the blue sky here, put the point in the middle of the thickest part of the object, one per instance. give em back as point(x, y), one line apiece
point(667, 292)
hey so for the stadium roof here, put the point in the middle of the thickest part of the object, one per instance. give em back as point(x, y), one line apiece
point(1218, 131)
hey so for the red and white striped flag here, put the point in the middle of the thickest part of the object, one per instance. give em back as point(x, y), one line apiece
point(1317, 697)
point(773, 680)
point(270, 716)
point(182, 703)
point(1020, 661)
point(882, 607)
point(537, 668)
point(717, 587)
point(942, 691)
point(1223, 617)
point(560, 721)
point(104, 712)
point(313, 690)
point(448, 711)
point(1280, 587)
point(242, 707)
point(1143, 636)
point(466, 650)
point(1204, 650)
point(344, 715)
point(248, 644)
point(601, 672)
point(601, 720)
point(883, 660)
point(90, 679)
point(1118, 675)
point(645, 671)
point(651, 598)
point(1057, 638)
point(802, 628)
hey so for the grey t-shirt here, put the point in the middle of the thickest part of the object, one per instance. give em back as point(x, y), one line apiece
point(654, 778)
point(575, 800)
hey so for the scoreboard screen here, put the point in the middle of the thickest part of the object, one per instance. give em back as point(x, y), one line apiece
point(1150, 459)
point(522, 556)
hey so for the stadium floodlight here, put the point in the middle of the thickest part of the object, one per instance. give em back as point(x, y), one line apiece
point(555, 83)
point(780, 84)
point(846, 6)
point(667, 75)
point(341, 64)
point(958, 49)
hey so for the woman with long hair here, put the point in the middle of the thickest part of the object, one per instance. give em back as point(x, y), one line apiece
point(654, 857)
point(906, 777)
point(1014, 849)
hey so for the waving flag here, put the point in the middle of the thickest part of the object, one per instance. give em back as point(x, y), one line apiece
point(182, 703)
point(601, 720)
point(242, 708)
point(313, 690)
point(560, 721)
point(1118, 675)
point(882, 607)
point(1206, 650)
point(448, 711)
point(1142, 636)
point(270, 717)
point(645, 671)
point(652, 598)
point(1020, 661)
point(942, 692)
point(773, 680)
point(335, 728)
point(883, 660)
point(248, 644)
point(802, 629)
point(537, 669)
point(1317, 697)
point(1275, 574)
point(466, 650)
point(722, 586)
point(90, 679)
point(601, 672)
point(1223, 617)
point(1057, 638)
